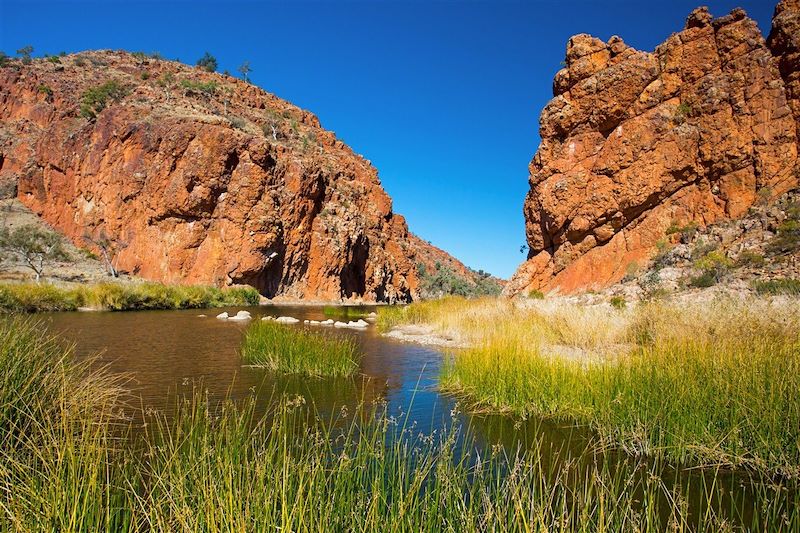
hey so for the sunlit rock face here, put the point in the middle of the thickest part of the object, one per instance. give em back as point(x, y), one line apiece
point(634, 142)
point(200, 178)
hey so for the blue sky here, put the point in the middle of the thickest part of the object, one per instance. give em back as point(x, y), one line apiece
point(442, 97)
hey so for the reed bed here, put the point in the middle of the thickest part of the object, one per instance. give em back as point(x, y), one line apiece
point(34, 297)
point(70, 462)
point(60, 423)
point(695, 383)
point(346, 312)
point(294, 350)
point(225, 469)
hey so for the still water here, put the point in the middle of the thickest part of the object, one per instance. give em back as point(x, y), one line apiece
point(165, 354)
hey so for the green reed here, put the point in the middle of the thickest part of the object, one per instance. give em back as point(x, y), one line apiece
point(34, 297)
point(345, 312)
point(70, 462)
point(295, 350)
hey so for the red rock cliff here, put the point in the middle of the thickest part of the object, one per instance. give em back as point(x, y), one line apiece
point(200, 178)
point(634, 142)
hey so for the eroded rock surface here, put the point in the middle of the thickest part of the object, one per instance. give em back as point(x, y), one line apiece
point(634, 142)
point(198, 177)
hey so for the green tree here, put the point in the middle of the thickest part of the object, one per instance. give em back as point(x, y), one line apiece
point(109, 248)
point(25, 53)
point(34, 246)
point(245, 70)
point(207, 62)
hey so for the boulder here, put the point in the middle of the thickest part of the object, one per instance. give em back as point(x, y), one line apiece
point(287, 320)
point(223, 315)
point(241, 315)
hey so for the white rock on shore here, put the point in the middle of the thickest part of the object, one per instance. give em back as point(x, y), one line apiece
point(360, 324)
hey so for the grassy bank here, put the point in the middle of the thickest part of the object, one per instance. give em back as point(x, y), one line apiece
point(70, 464)
point(33, 297)
point(293, 350)
point(694, 383)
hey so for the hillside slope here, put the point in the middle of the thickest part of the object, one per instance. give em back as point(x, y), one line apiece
point(440, 273)
point(634, 143)
point(198, 178)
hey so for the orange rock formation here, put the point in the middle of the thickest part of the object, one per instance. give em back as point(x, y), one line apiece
point(634, 142)
point(199, 177)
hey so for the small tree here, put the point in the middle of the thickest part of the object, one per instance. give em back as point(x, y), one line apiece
point(25, 53)
point(245, 70)
point(207, 62)
point(109, 248)
point(34, 246)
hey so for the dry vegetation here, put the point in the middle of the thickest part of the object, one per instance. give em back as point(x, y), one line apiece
point(712, 382)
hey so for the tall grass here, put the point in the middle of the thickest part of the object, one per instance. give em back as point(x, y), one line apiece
point(30, 297)
point(59, 421)
point(344, 311)
point(294, 470)
point(69, 463)
point(293, 350)
point(695, 383)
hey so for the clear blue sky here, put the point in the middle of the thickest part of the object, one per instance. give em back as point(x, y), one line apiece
point(442, 97)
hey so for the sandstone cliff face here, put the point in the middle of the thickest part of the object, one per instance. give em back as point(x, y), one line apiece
point(200, 178)
point(634, 142)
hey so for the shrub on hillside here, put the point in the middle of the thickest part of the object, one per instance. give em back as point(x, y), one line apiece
point(685, 232)
point(198, 87)
point(749, 258)
point(787, 239)
point(713, 268)
point(95, 99)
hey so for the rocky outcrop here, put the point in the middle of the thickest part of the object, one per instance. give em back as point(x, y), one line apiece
point(196, 177)
point(635, 142)
point(784, 42)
